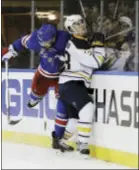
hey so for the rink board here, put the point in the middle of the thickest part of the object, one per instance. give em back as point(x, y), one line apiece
point(115, 130)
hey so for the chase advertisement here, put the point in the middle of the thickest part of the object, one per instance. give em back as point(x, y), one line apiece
point(110, 102)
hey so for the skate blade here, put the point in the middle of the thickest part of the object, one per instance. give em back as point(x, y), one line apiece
point(76, 154)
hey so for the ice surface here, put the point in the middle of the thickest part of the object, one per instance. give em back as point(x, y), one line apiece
point(17, 156)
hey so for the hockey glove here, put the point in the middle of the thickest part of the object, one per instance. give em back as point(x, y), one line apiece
point(11, 53)
point(97, 40)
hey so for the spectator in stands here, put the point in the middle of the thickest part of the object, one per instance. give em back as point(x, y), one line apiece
point(111, 8)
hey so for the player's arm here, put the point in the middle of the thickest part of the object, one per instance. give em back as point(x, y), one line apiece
point(61, 42)
point(24, 42)
point(21, 43)
point(91, 58)
point(95, 56)
point(59, 47)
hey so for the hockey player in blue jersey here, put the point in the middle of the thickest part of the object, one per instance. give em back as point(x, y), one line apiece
point(50, 43)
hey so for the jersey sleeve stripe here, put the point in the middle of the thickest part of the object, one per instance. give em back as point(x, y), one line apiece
point(96, 61)
point(99, 59)
point(24, 40)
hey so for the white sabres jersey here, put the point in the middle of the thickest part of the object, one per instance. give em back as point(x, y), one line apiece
point(82, 59)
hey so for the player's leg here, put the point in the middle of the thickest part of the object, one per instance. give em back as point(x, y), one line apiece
point(75, 93)
point(36, 93)
point(60, 125)
point(71, 129)
point(39, 88)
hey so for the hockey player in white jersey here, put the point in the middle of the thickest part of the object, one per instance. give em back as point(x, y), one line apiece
point(83, 59)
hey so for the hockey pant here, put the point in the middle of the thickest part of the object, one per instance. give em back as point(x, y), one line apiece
point(40, 86)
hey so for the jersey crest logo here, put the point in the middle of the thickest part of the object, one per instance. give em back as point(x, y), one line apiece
point(50, 60)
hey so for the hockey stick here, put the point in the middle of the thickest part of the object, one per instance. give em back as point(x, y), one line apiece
point(11, 122)
point(120, 33)
point(116, 9)
point(82, 8)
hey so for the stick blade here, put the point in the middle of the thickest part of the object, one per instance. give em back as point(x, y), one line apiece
point(14, 122)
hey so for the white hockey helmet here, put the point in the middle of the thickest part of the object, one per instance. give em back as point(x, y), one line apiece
point(75, 24)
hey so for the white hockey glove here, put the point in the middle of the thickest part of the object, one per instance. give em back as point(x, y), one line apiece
point(11, 53)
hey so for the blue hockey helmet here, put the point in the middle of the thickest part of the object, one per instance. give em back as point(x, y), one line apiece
point(46, 35)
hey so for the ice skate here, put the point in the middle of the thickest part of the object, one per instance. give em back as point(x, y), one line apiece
point(58, 143)
point(83, 148)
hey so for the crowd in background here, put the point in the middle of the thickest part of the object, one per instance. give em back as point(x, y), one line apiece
point(118, 25)
point(117, 22)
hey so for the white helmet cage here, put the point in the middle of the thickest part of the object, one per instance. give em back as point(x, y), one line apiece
point(75, 24)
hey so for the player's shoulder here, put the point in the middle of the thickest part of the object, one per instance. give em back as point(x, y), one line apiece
point(32, 36)
point(32, 42)
point(61, 32)
point(80, 42)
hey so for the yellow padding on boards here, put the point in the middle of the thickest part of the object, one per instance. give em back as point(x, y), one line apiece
point(83, 129)
point(26, 138)
point(116, 156)
point(110, 155)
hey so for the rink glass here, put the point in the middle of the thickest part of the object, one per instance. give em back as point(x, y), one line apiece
point(19, 18)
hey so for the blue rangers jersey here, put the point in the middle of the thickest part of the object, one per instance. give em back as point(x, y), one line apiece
point(50, 65)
